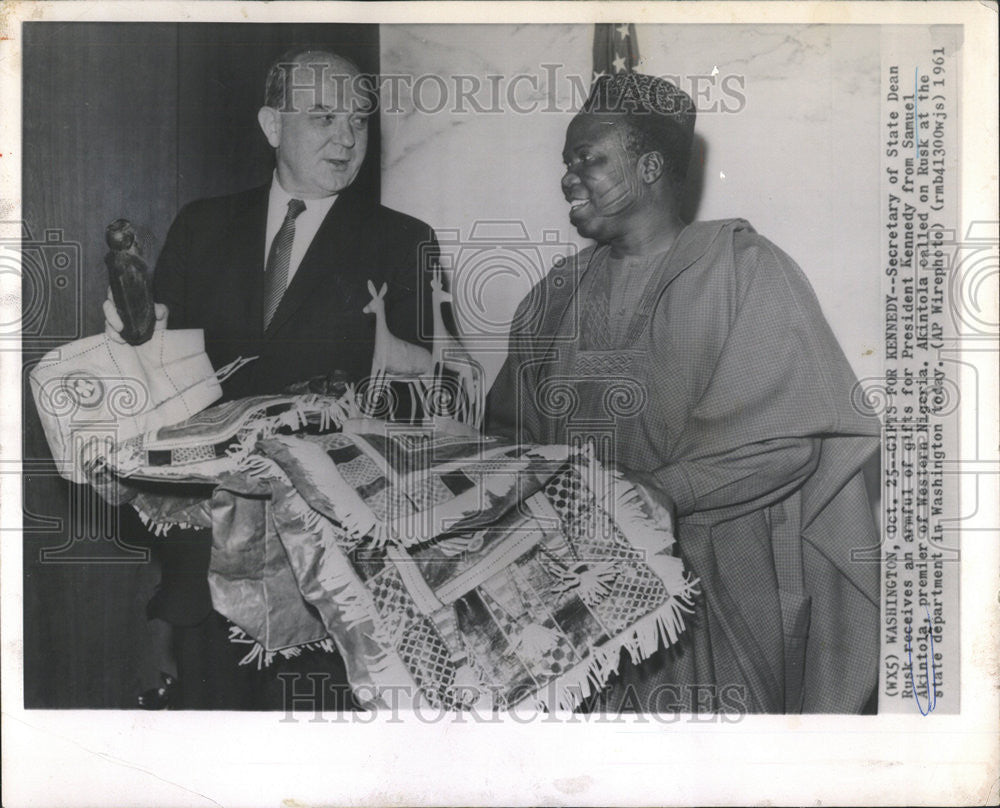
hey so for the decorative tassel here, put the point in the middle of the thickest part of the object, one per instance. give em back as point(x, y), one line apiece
point(347, 406)
point(670, 570)
point(352, 600)
point(645, 530)
point(662, 627)
point(346, 592)
point(261, 467)
point(593, 581)
point(377, 663)
point(161, 527)
point(264, 659)
point(312, 521)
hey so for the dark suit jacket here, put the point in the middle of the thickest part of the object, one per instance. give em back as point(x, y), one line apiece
point(211, 275)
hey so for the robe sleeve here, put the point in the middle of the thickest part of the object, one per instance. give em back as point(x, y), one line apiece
point(778, 385)
point(740, 481)
point(506, 394)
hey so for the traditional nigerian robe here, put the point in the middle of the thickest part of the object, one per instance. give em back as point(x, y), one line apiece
point(728, 388)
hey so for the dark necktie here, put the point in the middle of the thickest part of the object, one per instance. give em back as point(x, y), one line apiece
point(278, 259)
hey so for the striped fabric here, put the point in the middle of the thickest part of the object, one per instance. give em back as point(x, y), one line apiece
point(276, 273)
point(615, 49)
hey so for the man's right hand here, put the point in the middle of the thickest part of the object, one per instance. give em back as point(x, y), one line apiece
point(113, 324)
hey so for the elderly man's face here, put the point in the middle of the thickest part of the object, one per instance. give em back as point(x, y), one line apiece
point(321, 134)
point(601, 181)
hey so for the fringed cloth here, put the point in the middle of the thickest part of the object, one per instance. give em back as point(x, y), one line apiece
point(457, 569)
point(150, 471)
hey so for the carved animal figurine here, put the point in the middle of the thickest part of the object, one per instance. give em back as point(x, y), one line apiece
point(130, 281)
point(449, 354)
point(394, 356)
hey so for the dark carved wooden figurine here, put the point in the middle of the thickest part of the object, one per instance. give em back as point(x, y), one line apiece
point(131, 282)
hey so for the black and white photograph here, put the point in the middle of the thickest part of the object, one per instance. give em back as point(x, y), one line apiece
point(556, 397)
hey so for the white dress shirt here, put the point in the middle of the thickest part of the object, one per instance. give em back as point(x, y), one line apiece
point(306, 223)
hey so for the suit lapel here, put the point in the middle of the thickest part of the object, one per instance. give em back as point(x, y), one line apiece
point(243, 260)
point(331, 249)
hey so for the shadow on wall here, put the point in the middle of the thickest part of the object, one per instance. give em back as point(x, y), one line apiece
point(691, 198)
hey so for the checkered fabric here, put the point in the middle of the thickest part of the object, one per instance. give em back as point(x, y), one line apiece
point(521, 581)
point(518, 571)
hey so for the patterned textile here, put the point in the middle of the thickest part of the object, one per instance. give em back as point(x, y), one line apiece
point(443, 564)
point(409, 485)
point(615, 48)
point(276, 271)
point(597, 312)
point(204, 450)
point(469, 569)
point(215, 441)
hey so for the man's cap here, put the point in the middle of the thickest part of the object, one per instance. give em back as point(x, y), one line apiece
point(640, 94)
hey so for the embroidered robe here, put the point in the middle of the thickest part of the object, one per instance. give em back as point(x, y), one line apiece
point(728, 389)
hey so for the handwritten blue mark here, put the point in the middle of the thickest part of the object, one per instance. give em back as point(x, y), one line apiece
point(928, 669)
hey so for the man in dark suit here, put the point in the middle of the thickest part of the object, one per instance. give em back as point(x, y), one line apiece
point(280, 273)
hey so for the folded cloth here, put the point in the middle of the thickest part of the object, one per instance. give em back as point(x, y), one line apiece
point(215, 442)
point(407, 485)
point(524, 590)
point(95, 392)
point(168, 474)
point(444, 565)
point(250, 579)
